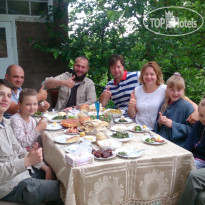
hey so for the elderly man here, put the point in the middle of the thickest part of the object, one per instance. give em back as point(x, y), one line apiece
point(75, 88)
point(17, 184)
point(15, 76)
point(120, 88)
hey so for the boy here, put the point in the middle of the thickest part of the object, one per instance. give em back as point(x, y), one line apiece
point(16, 183)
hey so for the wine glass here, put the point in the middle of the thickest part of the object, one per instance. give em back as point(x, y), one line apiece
point(97, 106)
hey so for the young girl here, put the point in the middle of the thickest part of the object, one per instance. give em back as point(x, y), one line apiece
point(172, 119)
point(25, 128)
point(195, 143)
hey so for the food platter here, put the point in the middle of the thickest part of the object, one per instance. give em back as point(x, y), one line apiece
point(121, 136)
point(111, 157)
point(136, 129)
point(150, 140)
point(115, 112)
point(63, 139)
point(53, 127)
point(70, 131)
point(122, 120)
point(128, 152)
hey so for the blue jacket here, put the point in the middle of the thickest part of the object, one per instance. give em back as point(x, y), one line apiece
point(195, 143)
point(178, 112)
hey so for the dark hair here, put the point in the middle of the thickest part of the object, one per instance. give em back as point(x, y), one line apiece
point(114, 58)
point(27, 92)
point(5, 83)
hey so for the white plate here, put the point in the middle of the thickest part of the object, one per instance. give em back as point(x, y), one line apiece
point(131, 152)
point(154, 143)
point(53, 128)
point(122, 139)
point(109, 143)
point(130, 128)
point(116, 120)
point(111, 157)
point(62, 139)
point(118, 128)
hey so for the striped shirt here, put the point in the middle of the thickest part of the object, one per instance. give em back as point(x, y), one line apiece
point(121, 92)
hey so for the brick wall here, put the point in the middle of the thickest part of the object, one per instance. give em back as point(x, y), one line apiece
point(36, 64)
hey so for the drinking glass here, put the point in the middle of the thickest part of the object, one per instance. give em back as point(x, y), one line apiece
point(97, 106)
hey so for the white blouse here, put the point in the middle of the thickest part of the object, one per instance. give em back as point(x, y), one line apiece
point(148, 105)
point(25, 132)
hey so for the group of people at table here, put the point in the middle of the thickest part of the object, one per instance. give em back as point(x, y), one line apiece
point(164, 109)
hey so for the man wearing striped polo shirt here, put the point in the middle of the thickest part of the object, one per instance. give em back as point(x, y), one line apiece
point(120, 88)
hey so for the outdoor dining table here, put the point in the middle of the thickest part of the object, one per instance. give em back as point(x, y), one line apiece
point(156, 177)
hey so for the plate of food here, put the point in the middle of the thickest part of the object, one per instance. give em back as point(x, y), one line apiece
point(153, 140)
point(38, 114)
point(103, 154)
point(136, 128)
point(129, 152)
point(103, 117)
point(53, 126)
point(109, 144)
point(115, 112)
point(118, 128)
point(122, 120)
point(56, 118)
point(72, 131)
point(65, 139)
point(91, 138)
point(121, 136)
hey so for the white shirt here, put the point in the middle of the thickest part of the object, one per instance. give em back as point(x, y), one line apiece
point(148, 105)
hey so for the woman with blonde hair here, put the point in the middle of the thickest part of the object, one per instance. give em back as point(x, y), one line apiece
point(172, 119)
point(146, 99)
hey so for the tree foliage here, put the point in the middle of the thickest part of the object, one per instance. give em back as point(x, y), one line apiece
point(104, 32)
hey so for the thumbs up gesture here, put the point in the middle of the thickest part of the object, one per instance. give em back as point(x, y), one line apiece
point(35, 156)
point(133, 101)
point(162, 119)
point(42, 94)
point(69, 82)
point(107, 94)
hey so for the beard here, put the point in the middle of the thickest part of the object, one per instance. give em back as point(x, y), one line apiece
point(78, 78)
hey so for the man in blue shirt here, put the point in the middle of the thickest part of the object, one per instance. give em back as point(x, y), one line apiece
point(120, 88)
point(15, 76)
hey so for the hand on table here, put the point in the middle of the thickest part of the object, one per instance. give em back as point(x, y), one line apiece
point(35, 156)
